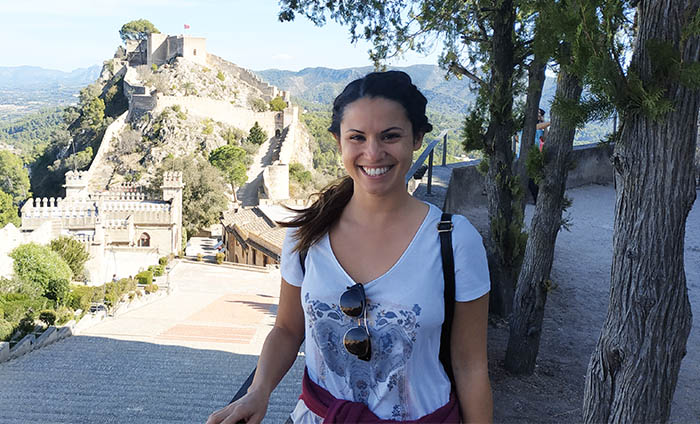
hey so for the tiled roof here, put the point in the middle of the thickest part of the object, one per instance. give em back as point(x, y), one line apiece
point(253, 221)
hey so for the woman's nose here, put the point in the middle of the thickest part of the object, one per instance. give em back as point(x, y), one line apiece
point(374, 148)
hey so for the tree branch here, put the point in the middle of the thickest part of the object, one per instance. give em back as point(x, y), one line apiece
point(458, 69)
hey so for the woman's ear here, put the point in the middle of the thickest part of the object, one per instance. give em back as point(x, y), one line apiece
point(418, 141)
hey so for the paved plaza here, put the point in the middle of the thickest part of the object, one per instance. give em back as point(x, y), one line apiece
point(175, 360)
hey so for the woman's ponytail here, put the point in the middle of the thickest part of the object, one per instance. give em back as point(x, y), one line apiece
point(315, 221)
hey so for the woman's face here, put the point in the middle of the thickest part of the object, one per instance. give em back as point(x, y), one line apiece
point(377, 143)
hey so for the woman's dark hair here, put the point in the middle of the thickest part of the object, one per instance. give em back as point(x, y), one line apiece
point(315, 221)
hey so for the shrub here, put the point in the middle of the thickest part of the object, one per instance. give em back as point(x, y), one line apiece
point(221, 76)
point(157, 270)
point(48, 317)
point(176, 108)
point(26, 324)
point(151, 288)
point(80, 297)
point(256, 134)
point(200, 257)
point(144, 277)
point(15, 307)
point(219, 258)
point(208, 127)
point(278, 104)
point(154, 67)
point(298, 173)
point(63, 315)
point(6, 330)
point(257, 104)
point(39, 265)
point(57, 290)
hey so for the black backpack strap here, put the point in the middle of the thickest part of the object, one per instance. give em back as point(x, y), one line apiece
point(444, 228)
point(302, 259)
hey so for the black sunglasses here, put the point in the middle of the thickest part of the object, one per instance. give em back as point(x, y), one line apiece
point(353, 303)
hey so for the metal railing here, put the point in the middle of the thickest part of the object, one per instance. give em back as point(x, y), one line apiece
point(428, 152)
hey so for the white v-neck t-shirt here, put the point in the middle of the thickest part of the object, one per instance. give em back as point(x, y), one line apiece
point(404, 379)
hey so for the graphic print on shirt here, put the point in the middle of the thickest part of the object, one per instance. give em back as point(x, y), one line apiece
point(392, 333)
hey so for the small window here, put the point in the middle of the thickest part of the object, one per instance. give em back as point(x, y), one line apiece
point(144, 240)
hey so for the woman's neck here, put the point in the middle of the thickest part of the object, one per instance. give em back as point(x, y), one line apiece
point(380, 211)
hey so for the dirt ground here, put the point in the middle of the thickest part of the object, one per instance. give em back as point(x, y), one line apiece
point(574, 315)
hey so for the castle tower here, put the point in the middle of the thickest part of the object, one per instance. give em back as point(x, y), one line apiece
point(172, 192)
point(76, 184)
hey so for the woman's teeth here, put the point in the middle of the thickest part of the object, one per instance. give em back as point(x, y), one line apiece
point(375, 171)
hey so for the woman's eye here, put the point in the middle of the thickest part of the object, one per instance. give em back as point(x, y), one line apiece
point(391, 136)
point(357, 137)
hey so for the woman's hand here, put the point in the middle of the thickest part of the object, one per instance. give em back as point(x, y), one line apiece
point(251, 408)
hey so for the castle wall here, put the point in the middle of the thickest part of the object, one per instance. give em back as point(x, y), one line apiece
point(276, 181)
point(195, 49)
point(157, 49)
point(220, 110)
point(111, 133)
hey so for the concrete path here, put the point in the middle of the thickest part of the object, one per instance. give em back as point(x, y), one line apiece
point(175, 360)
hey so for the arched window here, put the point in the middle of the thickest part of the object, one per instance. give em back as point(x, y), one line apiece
point(144, 240)
point(277, 133)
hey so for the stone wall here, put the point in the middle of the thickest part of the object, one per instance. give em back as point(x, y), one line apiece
point(221, 111)
point(276, 181)
point(592, 166)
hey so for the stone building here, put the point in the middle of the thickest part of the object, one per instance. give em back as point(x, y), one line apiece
point(251, 237)
point(123, 231)
point(162, 48)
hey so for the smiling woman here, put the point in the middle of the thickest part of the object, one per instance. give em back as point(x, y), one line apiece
point(362, 283)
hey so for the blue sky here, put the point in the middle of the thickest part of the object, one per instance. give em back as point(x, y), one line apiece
point(69, 34)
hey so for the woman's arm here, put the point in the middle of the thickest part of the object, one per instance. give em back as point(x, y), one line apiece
point(278, 354)
point(469, 360)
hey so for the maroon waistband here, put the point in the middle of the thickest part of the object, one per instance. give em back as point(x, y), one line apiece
point(333, 410)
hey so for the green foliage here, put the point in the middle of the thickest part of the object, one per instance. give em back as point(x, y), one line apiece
point(73, 253)
point(80, 297)
point(278, 104)
point(163, 260)
point(157, 270)
point(6, 330)
point(27, 323)
point(534, 165)
point(208, 127)
point(41, 266)
point(299, 174)
point(151, 288)
point(8, 211)
point(473, 131)
point(326, 158)
point(48, 317)
point(144, 277)
point(154, 67)
point(257, 104)
point(257, 135)
point(220, 75)
point(138, 29)
point(15, 305)
point(93, 113)
point(220, 258)
point(14, 179)
point(203, 197)
point(233, 136)
point(32, 133)
point(233, 162)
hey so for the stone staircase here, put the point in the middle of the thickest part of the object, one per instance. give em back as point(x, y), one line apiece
point(248, 193)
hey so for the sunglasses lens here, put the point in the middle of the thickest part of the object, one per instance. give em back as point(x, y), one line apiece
point(356, 341)
point(352, 302)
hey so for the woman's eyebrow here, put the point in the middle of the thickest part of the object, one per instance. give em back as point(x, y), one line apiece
point(354, 130)
point(392, 129)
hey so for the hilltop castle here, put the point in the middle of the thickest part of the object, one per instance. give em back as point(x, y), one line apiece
point(122, 230)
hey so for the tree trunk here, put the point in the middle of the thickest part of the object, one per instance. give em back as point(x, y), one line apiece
point(633, 371)
point(536, 77)
point(503, 245)
point(534, 279)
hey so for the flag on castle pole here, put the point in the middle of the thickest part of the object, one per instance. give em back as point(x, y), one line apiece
point(187, 26)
